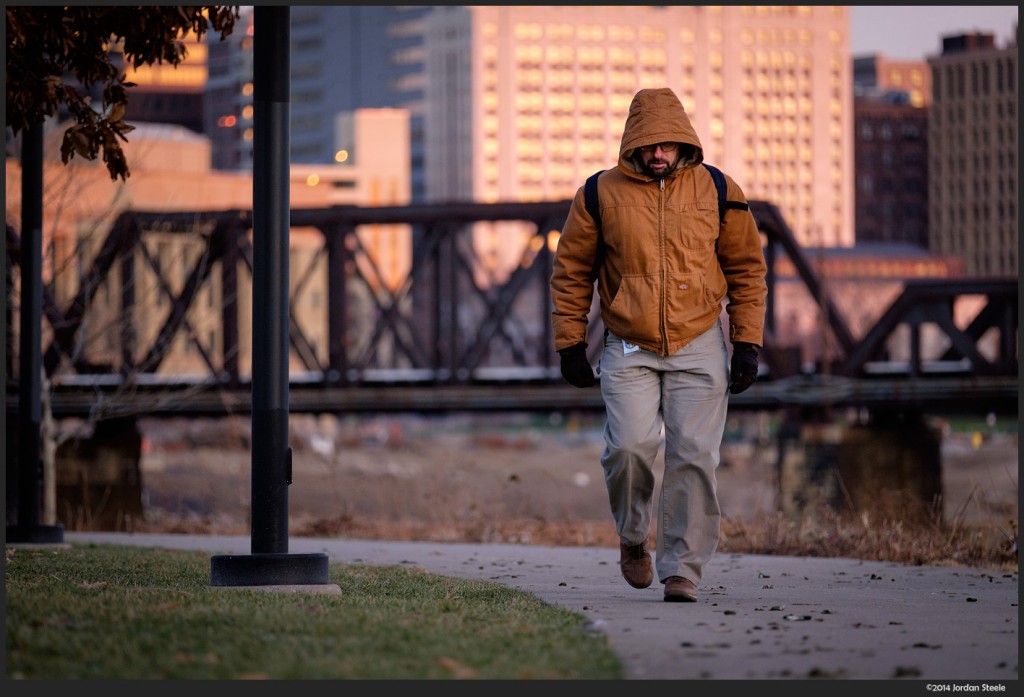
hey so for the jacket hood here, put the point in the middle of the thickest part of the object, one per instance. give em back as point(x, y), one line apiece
point(657, 116)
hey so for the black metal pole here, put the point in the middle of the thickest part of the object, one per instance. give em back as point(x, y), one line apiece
point(270, 563)
point(271, 456)
point(30, 466)
point(30, 359)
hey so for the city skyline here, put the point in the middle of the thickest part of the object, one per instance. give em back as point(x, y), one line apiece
point(882, 29)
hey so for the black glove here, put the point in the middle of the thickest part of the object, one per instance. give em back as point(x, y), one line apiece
point(743, 371)
point(576, 367)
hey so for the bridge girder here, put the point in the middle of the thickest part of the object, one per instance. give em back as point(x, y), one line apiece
point(453, 321)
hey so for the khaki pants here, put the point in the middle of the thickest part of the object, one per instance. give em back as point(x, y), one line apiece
point(686, 395)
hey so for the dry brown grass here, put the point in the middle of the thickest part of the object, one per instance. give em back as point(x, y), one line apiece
point(831, 534)
point(825, 534)
point(893, 530)
point(519, 488)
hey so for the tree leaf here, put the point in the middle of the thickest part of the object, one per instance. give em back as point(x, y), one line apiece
point(91, 44)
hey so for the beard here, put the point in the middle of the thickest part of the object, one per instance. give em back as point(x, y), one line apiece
point(649, 171)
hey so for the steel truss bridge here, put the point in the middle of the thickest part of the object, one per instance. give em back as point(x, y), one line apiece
point(453, 336)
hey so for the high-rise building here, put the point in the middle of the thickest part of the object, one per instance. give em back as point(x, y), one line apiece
point(524, 102)
point(890, 150)
point(228, 99)
point(973, 154)
point(345, 58)
point(878, 74)
point(890, 164)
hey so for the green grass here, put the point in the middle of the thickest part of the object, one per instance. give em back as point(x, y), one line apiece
point(116, 613)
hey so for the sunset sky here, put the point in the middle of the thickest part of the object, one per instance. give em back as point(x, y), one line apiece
point(912, 32)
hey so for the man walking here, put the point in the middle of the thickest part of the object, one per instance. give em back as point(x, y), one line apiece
point(665, 262)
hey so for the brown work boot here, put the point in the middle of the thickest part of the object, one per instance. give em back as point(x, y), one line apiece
point(680, 590)
point(635, 563)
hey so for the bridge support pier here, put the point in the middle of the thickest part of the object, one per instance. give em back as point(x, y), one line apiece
point(887, 469)
point(98, 483)
point(99, 479)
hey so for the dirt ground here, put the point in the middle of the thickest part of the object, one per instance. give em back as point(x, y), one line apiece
point(522, 478)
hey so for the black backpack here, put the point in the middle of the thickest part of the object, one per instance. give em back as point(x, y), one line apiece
point(594, 208)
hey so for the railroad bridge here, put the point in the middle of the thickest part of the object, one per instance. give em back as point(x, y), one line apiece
point(454, 335)
point(447, 336)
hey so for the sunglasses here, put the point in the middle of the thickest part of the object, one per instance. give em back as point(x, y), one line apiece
point(665, 147)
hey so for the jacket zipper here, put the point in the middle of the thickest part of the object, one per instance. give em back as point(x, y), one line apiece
point(664, 273)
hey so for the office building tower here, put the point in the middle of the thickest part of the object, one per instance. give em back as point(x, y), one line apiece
point(228, 99)
point(890, 157)
point(345, 58)
point(876, 74)
point(973, 154)
point(524, 102)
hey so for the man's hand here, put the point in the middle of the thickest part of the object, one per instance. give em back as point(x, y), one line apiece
point(576, 367)
point(743, 371)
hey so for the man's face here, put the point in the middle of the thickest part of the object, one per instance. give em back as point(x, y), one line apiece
point(659, 159)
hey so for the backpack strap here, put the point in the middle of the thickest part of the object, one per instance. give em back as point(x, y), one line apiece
point(593, 206)
point(723, 204)
point(590, 198)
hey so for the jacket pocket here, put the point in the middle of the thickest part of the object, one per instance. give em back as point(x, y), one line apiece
point(689, 305)
point(697, 226)
point(635, 311)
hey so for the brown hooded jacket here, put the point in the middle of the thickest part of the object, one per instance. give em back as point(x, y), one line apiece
point(668, 264)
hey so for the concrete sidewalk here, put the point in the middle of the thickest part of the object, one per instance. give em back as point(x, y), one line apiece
point(757, 617)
